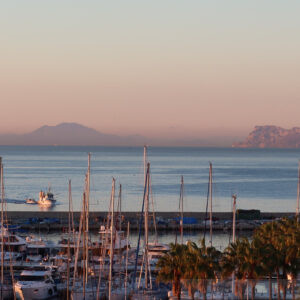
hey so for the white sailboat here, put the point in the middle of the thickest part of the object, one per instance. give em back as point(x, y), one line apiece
point(83, 287)
point(145, 287)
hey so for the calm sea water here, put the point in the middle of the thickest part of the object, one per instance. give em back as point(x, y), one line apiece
point(264, 179)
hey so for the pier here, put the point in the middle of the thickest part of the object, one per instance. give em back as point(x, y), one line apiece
point(165, 221)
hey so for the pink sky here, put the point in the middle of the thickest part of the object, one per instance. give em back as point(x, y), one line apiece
point(157, 69)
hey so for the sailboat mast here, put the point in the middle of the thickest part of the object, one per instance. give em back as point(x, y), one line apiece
point(146, 224)
point(88, 190)
point(69, 233)
point(85, 259)
point(234, 218)
point(126, 263)
point(120, 207)
point(233, 231)
point(210, 202)
point(111, 237)
point(181, 209)
point(298, 192)
point(2, 227)
point(145, 162)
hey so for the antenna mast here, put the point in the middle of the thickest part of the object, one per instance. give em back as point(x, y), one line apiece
point(181, 209)
point(298, 192)
point(210, 203)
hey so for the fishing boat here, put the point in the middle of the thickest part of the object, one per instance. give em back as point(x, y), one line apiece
point(46, 199)
point(35, 285)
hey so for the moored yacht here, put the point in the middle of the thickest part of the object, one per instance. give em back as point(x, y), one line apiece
point(120, 241)
point(35, 285)
point(13, 245)
point(156, 251)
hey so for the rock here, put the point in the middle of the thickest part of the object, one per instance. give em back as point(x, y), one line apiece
point(271, 137)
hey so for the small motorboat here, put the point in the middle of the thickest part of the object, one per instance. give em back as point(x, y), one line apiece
point(30, 201)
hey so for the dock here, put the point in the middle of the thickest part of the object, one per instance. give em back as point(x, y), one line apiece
point(55, 221)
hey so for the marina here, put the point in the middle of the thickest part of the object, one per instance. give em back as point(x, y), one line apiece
point(119, 254)
point(150, 150)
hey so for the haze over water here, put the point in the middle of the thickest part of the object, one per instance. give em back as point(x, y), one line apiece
point(264, 179)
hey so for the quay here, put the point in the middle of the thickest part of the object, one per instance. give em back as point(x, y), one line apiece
point(57, 221)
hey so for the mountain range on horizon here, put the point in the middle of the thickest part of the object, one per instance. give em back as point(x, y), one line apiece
point(74, 134)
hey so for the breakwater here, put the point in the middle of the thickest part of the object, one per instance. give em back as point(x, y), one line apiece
point(165, 221)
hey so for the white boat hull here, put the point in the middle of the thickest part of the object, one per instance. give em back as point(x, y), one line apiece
point(35, 293)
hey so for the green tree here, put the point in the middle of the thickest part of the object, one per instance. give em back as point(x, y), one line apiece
point(171, 267)
point(207, 266)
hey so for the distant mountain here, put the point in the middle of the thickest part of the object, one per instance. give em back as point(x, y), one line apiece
point(73, 134)
point(70, 134)
point(271, 137)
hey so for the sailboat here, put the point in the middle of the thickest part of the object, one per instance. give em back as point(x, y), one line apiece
point(209, 202)
point(121, 242)
point(155, 249)
point(145, 288)
point(83, 288)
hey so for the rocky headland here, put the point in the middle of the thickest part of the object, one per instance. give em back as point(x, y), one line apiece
point(271, 137)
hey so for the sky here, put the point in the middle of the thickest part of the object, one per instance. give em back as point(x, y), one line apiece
point(160, 68)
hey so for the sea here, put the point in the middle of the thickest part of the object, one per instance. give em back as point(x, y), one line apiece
point(264, 179)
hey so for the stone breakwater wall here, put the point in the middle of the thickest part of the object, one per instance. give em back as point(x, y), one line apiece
point(165, 221)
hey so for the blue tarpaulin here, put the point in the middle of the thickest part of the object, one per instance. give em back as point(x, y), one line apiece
point(187, 220)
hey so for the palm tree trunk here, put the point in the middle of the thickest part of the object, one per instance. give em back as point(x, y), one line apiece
point(270, 286)
point(278, 285)
point(191, 291)
point(293, 288)
point(284, 280)
point(252, 290)
point(174, 288)
point(178, 288)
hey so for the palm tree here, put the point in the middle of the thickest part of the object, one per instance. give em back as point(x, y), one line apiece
point(251, 265)
point(171, 267)
point(207, 266)
point(243, 258)
point(231, 264)
point(281, 242)
point(291, 262)
point(190, 276)
point(265, 234)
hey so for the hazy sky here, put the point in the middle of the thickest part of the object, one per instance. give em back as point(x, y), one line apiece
point(150, 67)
